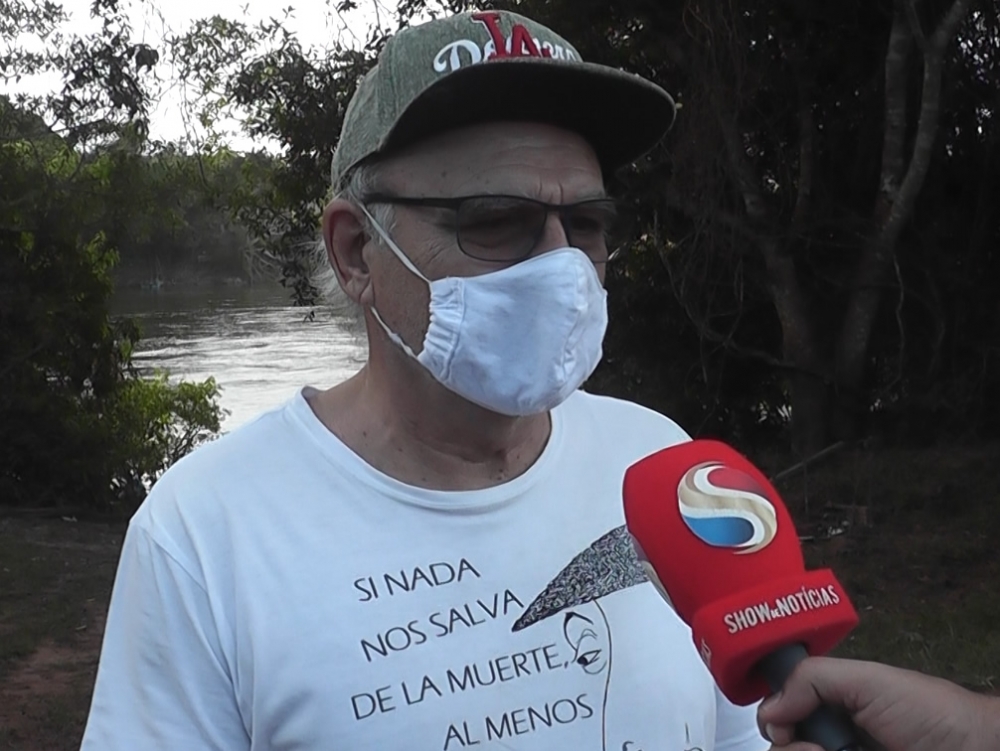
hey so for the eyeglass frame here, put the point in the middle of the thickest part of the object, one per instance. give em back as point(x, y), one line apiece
point(454, 203)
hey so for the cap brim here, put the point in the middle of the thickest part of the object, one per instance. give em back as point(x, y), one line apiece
point(622, 115)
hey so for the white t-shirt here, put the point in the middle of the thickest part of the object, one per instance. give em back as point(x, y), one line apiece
point(277, 593)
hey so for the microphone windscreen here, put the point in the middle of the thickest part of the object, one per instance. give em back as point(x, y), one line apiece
point(719, 544)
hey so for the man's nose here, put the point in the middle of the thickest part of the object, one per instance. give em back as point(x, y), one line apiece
point(554, 236)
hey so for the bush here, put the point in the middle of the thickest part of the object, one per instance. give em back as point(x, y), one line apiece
point(155, 423)
point(78, 427)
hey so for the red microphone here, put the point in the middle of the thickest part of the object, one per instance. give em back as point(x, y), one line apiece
point(720, 546)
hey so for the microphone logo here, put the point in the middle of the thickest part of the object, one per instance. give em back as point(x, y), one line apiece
point(726, 508)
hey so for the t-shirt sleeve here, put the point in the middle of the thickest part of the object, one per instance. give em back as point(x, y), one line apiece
point(736, 727)
point(162, 683)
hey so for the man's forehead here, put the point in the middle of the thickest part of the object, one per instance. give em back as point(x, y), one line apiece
point(518, 154)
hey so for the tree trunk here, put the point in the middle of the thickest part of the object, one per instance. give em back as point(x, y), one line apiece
point(899, 187)
point(800, 351)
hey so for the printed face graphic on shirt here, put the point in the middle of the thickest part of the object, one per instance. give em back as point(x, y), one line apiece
point(610, 564)
point(607, 566)
point(589, 641)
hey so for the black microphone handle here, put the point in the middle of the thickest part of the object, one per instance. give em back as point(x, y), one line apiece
point(824, 727)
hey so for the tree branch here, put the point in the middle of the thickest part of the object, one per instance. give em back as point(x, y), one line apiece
point(807, 160)
point(795, 60)
point(899, 326)
point(798, 335)
point(706, 332)
point(948, 27)
point(752, 353)
point(930, 115)
point(893, 214)
point(916, 27)
point(897, 60)
point(727, 219)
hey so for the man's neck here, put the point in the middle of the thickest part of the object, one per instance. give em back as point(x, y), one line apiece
point(427, 436)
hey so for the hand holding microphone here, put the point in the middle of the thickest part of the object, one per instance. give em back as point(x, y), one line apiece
point(900, 709)
point(721, 548)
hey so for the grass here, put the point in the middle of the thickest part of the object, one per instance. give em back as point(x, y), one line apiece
point(919, 559)
point(923, 607)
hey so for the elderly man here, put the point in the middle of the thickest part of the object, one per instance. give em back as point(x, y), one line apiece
point(375, 566)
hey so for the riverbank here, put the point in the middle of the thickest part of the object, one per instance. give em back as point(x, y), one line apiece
point(139, 282)
point(911, 534)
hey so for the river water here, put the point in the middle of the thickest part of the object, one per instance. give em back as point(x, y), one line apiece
point(253, 341)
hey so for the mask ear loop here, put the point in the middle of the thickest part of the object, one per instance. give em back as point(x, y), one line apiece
point(396, 338)
point(393, 336)
point(392, 245)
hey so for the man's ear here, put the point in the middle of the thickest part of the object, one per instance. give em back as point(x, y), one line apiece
point(345, 238)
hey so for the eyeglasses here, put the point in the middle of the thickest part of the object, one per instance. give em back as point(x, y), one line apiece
point(506, 229)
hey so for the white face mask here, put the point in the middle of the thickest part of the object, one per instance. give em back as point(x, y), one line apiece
point(518, 341)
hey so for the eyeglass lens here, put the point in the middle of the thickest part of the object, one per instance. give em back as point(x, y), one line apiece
point(507, 228)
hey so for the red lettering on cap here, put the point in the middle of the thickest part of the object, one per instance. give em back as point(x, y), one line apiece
point(492, 23)
point(521, 42)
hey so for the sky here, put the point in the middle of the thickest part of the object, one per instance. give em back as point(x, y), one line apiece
point(316, 23)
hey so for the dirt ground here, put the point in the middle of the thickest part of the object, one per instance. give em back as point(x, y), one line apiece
point(44, 694)
point(55, 577)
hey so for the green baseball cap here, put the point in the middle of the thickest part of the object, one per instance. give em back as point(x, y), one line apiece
point(481, 67)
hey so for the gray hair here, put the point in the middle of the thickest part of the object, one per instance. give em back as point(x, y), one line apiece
point(357, 184)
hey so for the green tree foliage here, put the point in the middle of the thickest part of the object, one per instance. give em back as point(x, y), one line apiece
point(819, 235)
point(154, 423)
point(170, 218)
point(286, 94)
point(78, 428)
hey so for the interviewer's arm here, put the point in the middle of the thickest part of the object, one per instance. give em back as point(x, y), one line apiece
point(901, 709)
